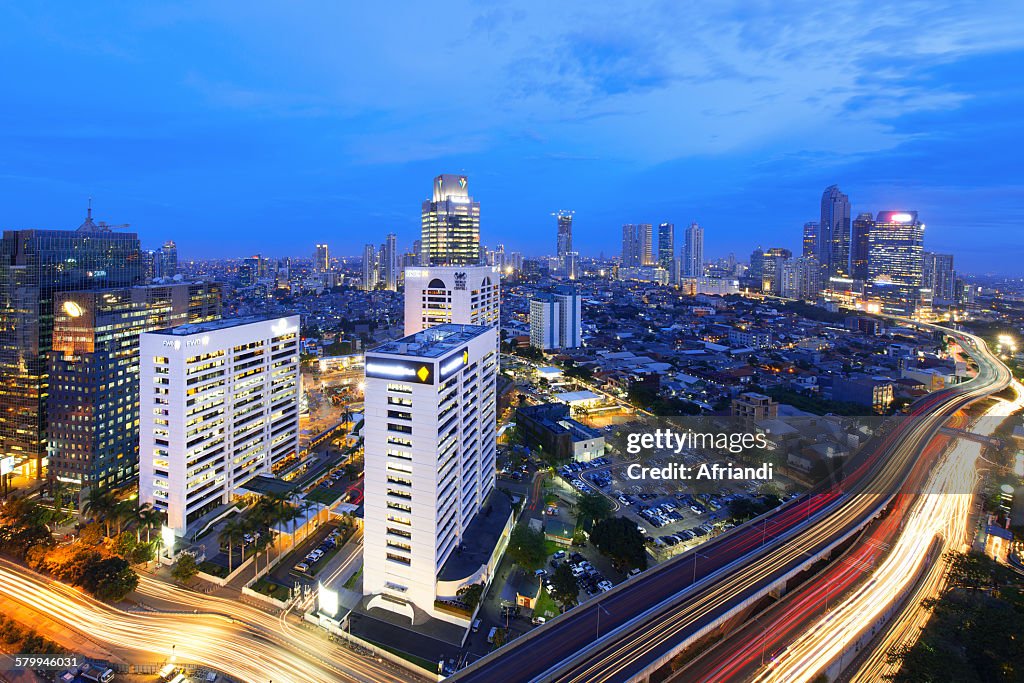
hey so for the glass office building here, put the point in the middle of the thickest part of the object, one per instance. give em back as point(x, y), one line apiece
point(35, 265)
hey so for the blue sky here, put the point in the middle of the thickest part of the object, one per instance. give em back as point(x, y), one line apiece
point(237, 128)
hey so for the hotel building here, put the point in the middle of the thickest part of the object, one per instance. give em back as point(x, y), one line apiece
point(465, 295)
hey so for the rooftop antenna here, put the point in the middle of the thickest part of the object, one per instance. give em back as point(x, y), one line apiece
point(88, 213)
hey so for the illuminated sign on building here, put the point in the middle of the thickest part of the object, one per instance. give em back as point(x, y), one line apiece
point(410, 371)
point(454, 363)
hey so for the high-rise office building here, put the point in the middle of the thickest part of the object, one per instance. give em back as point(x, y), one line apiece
point(430, 413)
point(389, 264)
point(34, 266)
point(571, 265)
point(754, 270)
point(464, 295)
point(834, 233)
point(219, 404)
point(772, 261)
point(556, 321)
point(564, 242)
point(321, 259)
point(810, 240)
point(167, 260)
point(693, 251)
point(859, 247)
point(667, 249)
point(93, 436)
point(370, 269)
point(937, 274)
point(895, 260)
point(637, 245)
point(451, 224)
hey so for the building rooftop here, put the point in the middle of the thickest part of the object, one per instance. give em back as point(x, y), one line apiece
point(432, 342)
point(212, 325)
point(480, 539)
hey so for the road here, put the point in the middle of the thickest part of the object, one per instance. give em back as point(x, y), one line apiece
point(672, 603)
point(241, 641)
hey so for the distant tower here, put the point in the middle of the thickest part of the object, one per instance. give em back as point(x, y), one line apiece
point(564, 245)
point(667, 248)
point(369, 267)
point(321, 260)
point(693, 251)
point(834, 232)
point(859, 247)
point(810, 243)
point(389, 264)
point(451, 224)
point(167, 261)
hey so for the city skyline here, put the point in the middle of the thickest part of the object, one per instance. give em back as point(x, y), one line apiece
point(248, 141)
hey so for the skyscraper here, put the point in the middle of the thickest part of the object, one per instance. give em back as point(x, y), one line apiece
point(167, 260)
point(693, 251)
point(667, 249)
point(220, 405)
point(433, 522)
point(564, 243)
point(895, 260)
point(772, 262)
point(939, 276)
point(370, 270)
point(34, 266)
point(94, 373)
point(389, 265)
point(810, 242)
point(834, 233)
point(321, 259)
point(859, 247)
point(637, 245)
point(451, 224)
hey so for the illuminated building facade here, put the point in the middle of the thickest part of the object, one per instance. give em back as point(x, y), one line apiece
point(321, 259)
point(556, 321)
point(464, 295)
point(834, 233)
point(451, 224)
point(219, 404)
point(895, 260)
point(94, 373)
point(810, 239)
point(693, 251)
point(563, 245)
point(637, 245)
point(860, 248)
point(667, 249)
point(429, 463)
point(35, 265)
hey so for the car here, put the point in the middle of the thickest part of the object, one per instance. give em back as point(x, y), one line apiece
point(559, 555)
point(605, 585)
point(476, 626)
point(539, 573)
point(634, 571)
point(539, 621)
point(554, 564)
point(302, 567)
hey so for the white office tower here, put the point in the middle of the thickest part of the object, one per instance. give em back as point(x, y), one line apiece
point(219, 403)
point(429, 468)
point(556, 321)
point(464, 295)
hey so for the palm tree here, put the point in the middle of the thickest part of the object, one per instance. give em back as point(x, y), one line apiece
point(233, 529)
point(58, 490)
point(147, 517)
point(124, 511)
point(101, 505)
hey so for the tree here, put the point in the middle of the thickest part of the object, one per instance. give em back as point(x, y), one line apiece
point(232, 531)
point(185, 568)
point(526, 547)
point(619, 539)
point(471, 594)
point(111, 579)
point(592, 508)
point(563, 585)
point(100, 505)
point(147, 518)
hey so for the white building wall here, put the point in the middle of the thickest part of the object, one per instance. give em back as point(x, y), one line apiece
point(468, 295)
point(447, 475)
point(242, 416)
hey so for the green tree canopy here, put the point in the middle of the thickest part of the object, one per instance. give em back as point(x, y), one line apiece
point(619, 539)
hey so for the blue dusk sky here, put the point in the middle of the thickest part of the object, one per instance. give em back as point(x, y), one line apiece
point(237, 128)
